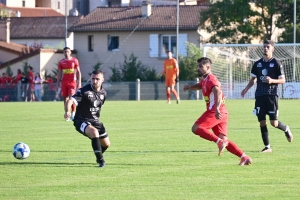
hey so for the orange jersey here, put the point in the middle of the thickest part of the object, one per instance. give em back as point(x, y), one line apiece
point(170, 69)
point(68, 68)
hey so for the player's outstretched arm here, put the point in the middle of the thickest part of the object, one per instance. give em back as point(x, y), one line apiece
point(192, 87)
point(250, 84)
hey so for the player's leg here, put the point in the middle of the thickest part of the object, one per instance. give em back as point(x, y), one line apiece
point(71, 92)
point(103, 136)
point(175, 92)
point(86, 129)
point(202, 128)
point(168, 93)
point(273, 115)
point(261, 112)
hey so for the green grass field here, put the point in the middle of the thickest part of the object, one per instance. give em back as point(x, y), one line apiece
point(153, 154)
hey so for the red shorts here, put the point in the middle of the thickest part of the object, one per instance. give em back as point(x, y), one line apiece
point(170, 82)
point(208, 121)
point(68, 88)
point(31, 86)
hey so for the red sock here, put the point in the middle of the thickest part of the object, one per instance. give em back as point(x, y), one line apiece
point(234, 149)
point(73, 108)
point(206, 134)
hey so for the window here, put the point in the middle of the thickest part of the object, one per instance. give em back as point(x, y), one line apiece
point(58, 5)
point(113, 43)
point(160, 44)
point(168, 44)
point(90, 43)
point(23, 3)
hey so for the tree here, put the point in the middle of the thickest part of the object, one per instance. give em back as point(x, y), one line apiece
point(188, 64)
point(131, 69)
point(241, 21)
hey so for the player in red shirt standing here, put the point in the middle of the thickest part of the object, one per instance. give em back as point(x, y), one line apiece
point(68, 77)
point(216, 115)
point(31, 83)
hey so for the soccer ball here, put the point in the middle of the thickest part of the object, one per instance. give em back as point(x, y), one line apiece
point(21, 150)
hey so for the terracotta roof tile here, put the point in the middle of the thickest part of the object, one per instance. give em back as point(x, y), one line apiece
point(40, 27)
point(127, 18)
point(34, 12)
point(18, 48)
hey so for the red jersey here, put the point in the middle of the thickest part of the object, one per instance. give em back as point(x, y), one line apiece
point(206, 86)
point(30, 77)
point(68, 68)
point(18, 78)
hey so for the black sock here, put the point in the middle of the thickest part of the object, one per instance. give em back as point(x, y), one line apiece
point(97, 149)
point(103, 148)
point(281, 126)
point(265, 135)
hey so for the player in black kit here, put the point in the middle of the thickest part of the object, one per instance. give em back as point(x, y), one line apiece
point(89, 100)
point(268, 73)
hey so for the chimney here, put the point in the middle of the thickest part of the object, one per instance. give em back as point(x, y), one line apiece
point(75, 13)
point(5, 30)
point(146, 9)
point(18, 14)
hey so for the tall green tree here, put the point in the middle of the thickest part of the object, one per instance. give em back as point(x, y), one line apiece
point(240, 21)
point(188, 64)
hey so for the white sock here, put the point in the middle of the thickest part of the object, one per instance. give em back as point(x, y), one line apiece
point(73, 114)
point(219, 139)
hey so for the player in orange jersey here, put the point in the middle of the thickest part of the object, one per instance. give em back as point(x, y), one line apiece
point(68, 77)
point(171, 73)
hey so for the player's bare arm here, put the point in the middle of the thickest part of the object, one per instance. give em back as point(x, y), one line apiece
point(78, 76)
point(218, 96)
point(59, 74)
point(192, 87)
point(250, 84)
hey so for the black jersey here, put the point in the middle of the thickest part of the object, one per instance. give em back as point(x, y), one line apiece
point(261, 69)
point(24, 80)
point(89, 103)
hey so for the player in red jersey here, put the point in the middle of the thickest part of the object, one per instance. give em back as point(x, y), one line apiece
point(31, 83)
point(216, 115)
point(68, 77)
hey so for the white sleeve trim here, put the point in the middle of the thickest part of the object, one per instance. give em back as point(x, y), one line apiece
point(74, 101)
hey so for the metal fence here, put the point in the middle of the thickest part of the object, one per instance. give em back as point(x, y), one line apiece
point(137, 90)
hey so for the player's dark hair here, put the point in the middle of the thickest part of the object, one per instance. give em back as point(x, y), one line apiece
point(97, 72)
point(67, 48)
point(204, 60)
point(30, 68)
point(269, 42)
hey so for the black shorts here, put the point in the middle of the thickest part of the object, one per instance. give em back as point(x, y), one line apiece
point(81, 125)
point(266, 105)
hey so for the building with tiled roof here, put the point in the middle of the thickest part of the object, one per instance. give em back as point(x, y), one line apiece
point(48, 31)
point(109, 34)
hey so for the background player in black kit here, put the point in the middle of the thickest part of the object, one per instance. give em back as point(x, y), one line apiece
point(89, 100)
point(268, 73)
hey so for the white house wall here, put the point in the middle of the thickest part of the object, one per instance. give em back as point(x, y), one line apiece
point(137, 43)
point(6, 56)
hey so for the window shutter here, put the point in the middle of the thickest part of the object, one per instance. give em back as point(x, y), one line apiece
point(181, 46)
point(153, 45)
